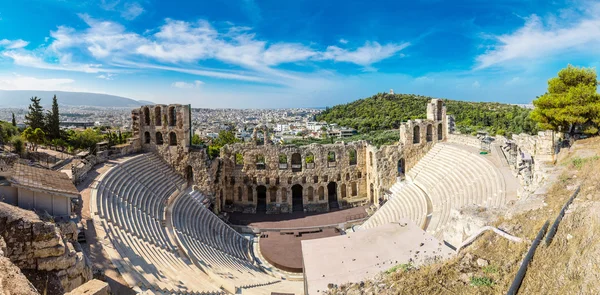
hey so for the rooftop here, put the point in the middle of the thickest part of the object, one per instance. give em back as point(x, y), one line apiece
point(42, 179)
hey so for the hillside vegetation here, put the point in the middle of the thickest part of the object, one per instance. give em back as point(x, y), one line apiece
point(386, 111)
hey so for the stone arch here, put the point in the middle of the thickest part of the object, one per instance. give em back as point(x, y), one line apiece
point(352, 157)
point(331, 159)
point(401, 167)
point(321, 193)
point(261, 199)
point(240, 194)
point(440, 132)
point(297, 198)
point(172, 116)
point(332, 196)
point(440, 106)
point(348, 176)
point(284, 195)
point(159, 138)
point(172, 138)
point(310, 160)
point(189, 173)
point(354, 189)
point(296, 162)
point(147, 116)
point(371, 159)
point(157, 116)
point(416, 134)
point(310, 195)
point(273, 194)
point(429, 133)
point(343, 190)
point(260, 162)
point(250, 192)
point(147, 137)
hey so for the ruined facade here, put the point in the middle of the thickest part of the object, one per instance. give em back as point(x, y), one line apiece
point(259, 176)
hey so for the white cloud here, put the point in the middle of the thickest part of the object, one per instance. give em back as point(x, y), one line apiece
point(132, 10)
point(539, 38)
point(370, 53)
point(343, 41)
point(106, 76)
point(186, 85)
point(32, 83)
point(30, 60)
point(13, 44)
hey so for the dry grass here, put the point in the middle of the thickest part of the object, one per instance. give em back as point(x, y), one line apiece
point(568, 266)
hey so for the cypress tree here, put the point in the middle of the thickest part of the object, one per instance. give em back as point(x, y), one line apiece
point(35, 117)
point(14, 121)
point(53, 120)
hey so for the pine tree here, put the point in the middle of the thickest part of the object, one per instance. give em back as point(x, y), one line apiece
point(14, 121)
point(35, 117)
point(53, 120)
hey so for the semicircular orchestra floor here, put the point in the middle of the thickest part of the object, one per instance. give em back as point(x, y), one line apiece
point(281, 234)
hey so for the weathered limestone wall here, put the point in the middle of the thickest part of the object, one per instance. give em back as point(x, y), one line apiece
point(42, 252)
point(465, 139)
point(540, 146)
point(287, 166)
point(93, 287)
point(12, 280)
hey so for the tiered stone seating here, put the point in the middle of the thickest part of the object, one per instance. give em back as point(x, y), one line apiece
point(214, 245)
point(451, 178)
point(131, 201)
point(454, 178)
point(407, 201)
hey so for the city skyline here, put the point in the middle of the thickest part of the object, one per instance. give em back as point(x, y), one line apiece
point(253, 54)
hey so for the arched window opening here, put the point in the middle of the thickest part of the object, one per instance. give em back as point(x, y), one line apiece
point(440, 106)
point(371, 159)
point(261, 199)
point(250, 194)
point(172, 116)
point(172, 138)
point(352, 157)
point(189, 172)
point(310, 194)
point(343, 190)
point(310, 160)
point(401, 168)
point(157, 116)
point(440, 132)
point(315, 179)
point(273, 194)
point(297, 198)
point(321, 193)
point(296, 162)
point(283, 161)
point(354, 187)
point(429, 136)
point(331, 159)
point(260, 162)
point(240, 193)
point(147, 137)
point(416, 134)
point(146, 116)
point(347, 176)
point(283, 195)
point(159, 139)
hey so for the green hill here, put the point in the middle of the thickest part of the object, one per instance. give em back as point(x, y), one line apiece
point(386, 111)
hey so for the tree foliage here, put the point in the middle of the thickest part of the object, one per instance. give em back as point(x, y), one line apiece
point(35, 117)
point(53, 121)
point(387, 111)
point(14, 121)
point(86, 139)
point(34, 136)
point(571, 102)
point(224, 137)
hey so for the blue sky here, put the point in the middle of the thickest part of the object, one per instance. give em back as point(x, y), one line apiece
point(251, 53)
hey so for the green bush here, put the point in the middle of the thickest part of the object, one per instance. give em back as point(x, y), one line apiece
point(481, 282)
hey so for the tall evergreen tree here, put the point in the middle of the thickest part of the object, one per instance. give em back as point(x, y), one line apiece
point(35, 117)
point(53, 120)
point(14, 121)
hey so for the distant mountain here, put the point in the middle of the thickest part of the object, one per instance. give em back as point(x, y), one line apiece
point(20, 98)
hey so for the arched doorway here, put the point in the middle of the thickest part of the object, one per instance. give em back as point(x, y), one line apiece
point(372, 191)
point(401, 167)
point(261, 199)
point(190, 174)
point(332, 195)
point(297, 201)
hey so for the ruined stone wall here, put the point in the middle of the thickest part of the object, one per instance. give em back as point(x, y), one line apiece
point(12, 280)
point(287, 166)
point(540, 146)
point(51, 260)
point(465, 139)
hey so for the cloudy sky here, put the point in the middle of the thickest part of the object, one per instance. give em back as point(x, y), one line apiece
point(294, 53)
